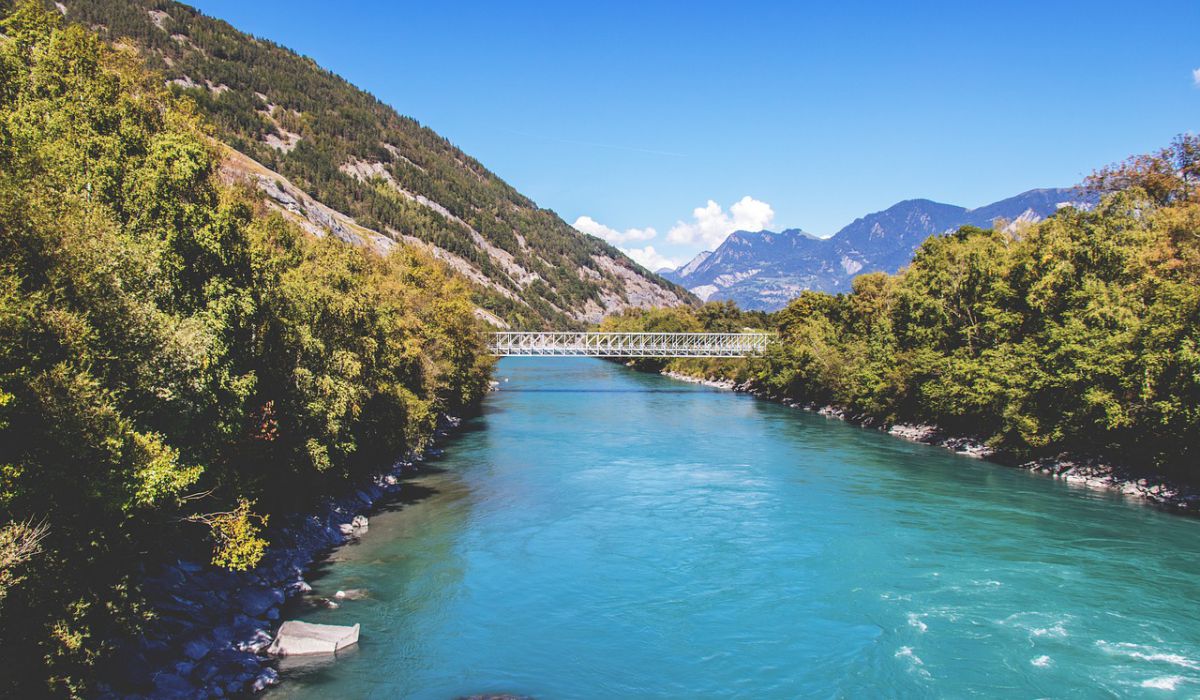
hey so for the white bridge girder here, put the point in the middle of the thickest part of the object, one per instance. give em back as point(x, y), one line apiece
point(643, 344)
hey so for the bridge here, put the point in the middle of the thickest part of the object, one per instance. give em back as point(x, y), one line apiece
point(644, 344)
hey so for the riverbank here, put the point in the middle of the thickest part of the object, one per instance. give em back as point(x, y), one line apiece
point(212, 626)
point(1075, 470)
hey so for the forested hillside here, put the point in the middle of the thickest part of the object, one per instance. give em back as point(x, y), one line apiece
point(177, 362)
point(1080, 333)
point(398, 180)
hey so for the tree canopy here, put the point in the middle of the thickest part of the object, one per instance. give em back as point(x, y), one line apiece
point(1079, 333)
point(176, 364)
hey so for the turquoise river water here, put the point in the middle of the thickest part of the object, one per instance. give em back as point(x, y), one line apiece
point(599, 533)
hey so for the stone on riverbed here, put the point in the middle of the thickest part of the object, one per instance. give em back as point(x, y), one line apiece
point(267, 678)
point(296, 638)
point(351, 594)
point(355, 528)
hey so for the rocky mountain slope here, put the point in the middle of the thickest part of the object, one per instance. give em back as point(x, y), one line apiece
point(763, 270)
point(334, 157)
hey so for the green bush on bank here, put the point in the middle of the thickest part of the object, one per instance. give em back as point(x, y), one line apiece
point(176, 364)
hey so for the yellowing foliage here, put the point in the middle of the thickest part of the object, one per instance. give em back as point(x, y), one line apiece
point(171, 354)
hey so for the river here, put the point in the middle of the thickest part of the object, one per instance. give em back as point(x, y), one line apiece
point(599, 533)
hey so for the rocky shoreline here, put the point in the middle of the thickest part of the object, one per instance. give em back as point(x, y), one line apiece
point(1078, 471)
point(213, 626)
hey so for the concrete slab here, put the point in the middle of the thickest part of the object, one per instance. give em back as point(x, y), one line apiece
point(297, 638)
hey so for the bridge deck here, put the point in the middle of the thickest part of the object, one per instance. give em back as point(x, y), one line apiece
point(597, 344)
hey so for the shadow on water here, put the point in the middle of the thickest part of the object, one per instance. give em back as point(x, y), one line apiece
point(410, 493)
point(487, 409)
point(473, 423)
point(414, 488)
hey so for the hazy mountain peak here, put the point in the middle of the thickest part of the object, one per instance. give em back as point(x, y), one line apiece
point(764, 269)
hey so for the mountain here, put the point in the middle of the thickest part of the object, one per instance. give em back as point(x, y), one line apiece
point(340, 162)
point(764, 269)
point(687, 268)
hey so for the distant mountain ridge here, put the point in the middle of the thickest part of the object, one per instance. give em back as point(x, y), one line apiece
point(765, 269)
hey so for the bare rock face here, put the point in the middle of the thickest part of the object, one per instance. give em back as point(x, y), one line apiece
point(296, 638)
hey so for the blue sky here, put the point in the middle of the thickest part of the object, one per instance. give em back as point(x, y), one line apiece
point(666, 124)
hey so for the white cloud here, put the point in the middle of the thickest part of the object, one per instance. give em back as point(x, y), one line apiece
point(650, 258)
point(1196, 76)
point(588, 225)
point(711, 224)
point(750, 214)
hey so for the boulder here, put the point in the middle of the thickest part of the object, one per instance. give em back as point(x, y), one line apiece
point(169, 685)
point(300, 586)
point(255, 643)
point(256, 602)
point(296, 638)
point(196, 649)
point(355, 528)
point(266, 679)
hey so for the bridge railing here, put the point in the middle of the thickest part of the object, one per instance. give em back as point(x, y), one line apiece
point(632, 344)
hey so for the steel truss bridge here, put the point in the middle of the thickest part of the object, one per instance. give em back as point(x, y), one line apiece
point(596, 344)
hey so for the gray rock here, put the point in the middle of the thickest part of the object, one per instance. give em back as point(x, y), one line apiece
point(300, 587)
point(256, 643)
point(169, 685)
point(196, 649)
point(267, 678)
point(297, 638)
point(256, 602)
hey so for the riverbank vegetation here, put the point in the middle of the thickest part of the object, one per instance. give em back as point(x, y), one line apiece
point(1079, 334)
point(176, 365)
